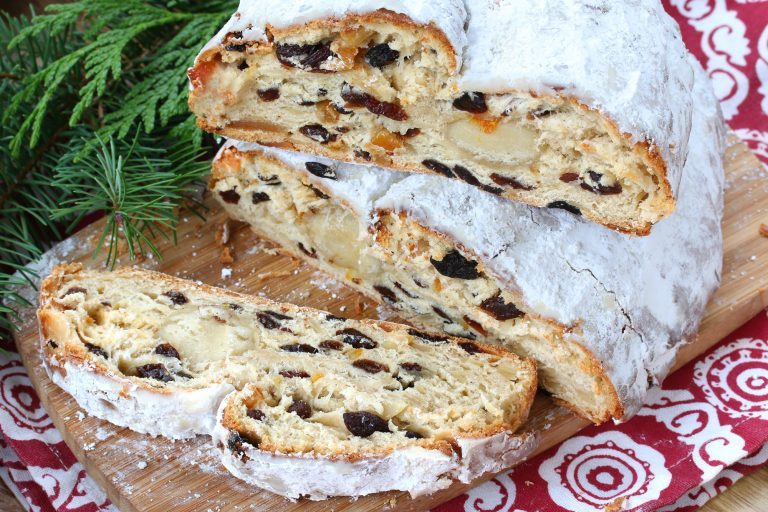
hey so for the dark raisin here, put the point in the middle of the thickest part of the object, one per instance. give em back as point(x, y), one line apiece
point(184, 375)
point(434, 165)
point(359, 153)
point(335, 318)
point(167, 350)
point(539, 113)
point(52, 344)
point(301, 408)
point(331, 345)
point(106, 304)
point(235, 47)
point(410, 434)
point(267, 321)
point(308, 56)
point(316, 132)
point(236, 441)
point(597, 187)
point(277, 316)
point(562, 205)
point(311, 254)
point(270, 94)
point(432, 338)
point(357, 339)
point(505, 181)
point(74, 289)
point(322, 92)
point(256, 414)
point(402, 289)
point(95, 349)
point(364, 423)
point(477, 326)
point(155, 371)
point(299, 347)
point(411, 132)
point(456, 266)
point(356, 98)
point(307, 103)
point(473, 102)
point(237, 34)
point(418, 283)
point(321, 170)
point(493, 190)
point(470, 347)
point(259, 197)
point(341, 110)
point(319, 193)
point(442, 314)
point(465, 174)
point(386, 293)
point(411, 367)
point(569, 177)
point(370, 366)
point(500, 310)
point(235, 307)
point(243, 66)
point(177, 298)
point(230, 196)
point(381, 55)
point(294, 374)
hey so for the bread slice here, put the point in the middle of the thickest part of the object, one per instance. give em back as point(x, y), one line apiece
point(359, 399)
point(602, 313)
point(595, 120)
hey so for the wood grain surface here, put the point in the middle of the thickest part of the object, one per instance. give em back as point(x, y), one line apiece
point(155, 475)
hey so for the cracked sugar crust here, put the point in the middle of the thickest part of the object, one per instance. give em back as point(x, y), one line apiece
point(573, 272)
point(158, 354)
point(642, 89)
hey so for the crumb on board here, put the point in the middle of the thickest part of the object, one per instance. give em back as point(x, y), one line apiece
point(764, 230)
point(226, 256)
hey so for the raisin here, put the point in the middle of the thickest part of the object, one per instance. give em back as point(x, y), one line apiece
point(52, 344)
point(271, 94)
point(293, 374)
point(442, 314)
point(411, 132)
point(235, 47)
point(386, 293)
point(230, 196)
point(236, 441)
point(312, 254)
point(259, 197)
point(341, 110)
point(319, 193)
point(434, 165)
point(477, 326)
point(493, 190)
point(106, 304)
point(277, 316)
point(299, 347)
point(465, 174)
point(410, 434)
point(500, 310)
point(243, 66)
point(322, 92)
point(255, 414)
point(357, 339)
point(301, 408)
point(540, 112)
point(456, 266)
point(308, 56)
point(267, 321)
point(356, 98)
point(370, 366)
point(95, 349)
point(364, 423)
point(359, 153)
point(307, 103)
point(177, 298)
point(411, 367)
point(167, 350)
point(75, 289)
point(402, 289)
point(381, 55)
point(331, 345)
point(317, 132)
point(562, 205)
point(155, 371)
point(599, 188)
point(321, 170)
point(184, 375)
point(472, 102)
point(505, 181)
point(235, 307)
point(237, 34)
point(569, 177)
point(335, 318)
point(470, 347)
point(432, 338)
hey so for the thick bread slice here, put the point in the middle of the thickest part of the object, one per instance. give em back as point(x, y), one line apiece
point(603, 313)
point(594, 119)
point(158, 354)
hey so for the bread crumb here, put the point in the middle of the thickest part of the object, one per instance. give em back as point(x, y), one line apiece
point(222, 233)
point(226, 256)
point(764, 230)
point(141, 465)
point(226, 273)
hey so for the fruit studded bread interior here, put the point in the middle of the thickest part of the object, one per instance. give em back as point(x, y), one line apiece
point(548, 284)
point(381, 89)
point(315, 383)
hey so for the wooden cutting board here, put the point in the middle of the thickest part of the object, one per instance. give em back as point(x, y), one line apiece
point(145, 474)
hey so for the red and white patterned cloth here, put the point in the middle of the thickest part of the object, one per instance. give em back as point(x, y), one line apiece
point(706, 428)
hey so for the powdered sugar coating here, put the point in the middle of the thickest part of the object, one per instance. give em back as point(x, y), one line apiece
point(632, 300)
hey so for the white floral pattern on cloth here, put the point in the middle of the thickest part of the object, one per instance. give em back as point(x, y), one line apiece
point(704, 429)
